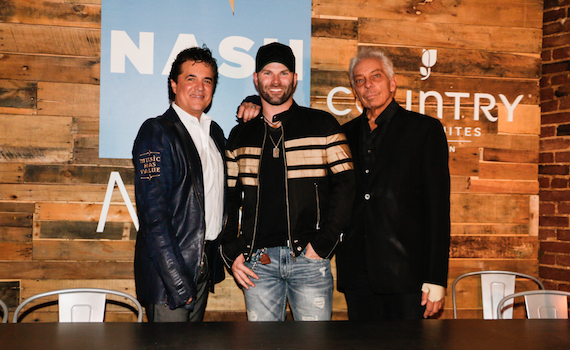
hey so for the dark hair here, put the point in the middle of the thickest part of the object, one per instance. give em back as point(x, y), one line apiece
point(197, 54)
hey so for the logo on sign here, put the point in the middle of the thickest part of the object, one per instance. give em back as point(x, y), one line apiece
point(429, 58)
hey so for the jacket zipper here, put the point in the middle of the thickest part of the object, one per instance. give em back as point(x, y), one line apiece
point(289, 241)
point(318, 225)
point(203, 211)
point(204, 241)
point(258, 192)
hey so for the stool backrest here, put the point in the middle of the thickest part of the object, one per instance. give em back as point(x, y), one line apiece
point(494, 286)
point(81, 304)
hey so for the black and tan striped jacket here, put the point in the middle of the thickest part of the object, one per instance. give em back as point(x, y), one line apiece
point(320, 182)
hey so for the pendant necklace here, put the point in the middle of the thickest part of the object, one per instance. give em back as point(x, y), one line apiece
point(276, 145)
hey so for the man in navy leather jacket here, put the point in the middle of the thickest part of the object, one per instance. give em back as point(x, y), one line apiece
point(179, 187)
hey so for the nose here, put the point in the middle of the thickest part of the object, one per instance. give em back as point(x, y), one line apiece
point(367, 83)
point(276, 79)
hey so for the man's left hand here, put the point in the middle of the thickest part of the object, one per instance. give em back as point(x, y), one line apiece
point(248, 111)
point(432, 307)
point(311, 254)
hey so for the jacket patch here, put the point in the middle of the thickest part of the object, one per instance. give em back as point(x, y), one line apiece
point(149, 165)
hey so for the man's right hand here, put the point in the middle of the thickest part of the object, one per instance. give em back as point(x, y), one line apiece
point(248, 111)
point(242, 273)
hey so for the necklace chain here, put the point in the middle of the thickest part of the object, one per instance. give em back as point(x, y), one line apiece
point(276, 145)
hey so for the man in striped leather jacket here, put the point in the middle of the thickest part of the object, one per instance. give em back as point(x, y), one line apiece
point(291, 175)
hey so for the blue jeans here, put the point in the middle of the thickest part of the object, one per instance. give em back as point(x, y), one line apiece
point(306, 283)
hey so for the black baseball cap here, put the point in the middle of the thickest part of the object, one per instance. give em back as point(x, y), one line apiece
point(275, 52)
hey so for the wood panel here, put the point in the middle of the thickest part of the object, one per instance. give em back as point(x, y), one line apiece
point(465, 161)
point(494, 247)
point(56, 211)
point(36, 68)
point(477, 229)
point(65, 270)
point(15, 234)
point(334, 28)
point(83, 250)
point(74, 100)
point(503, 186)
point(15, 219)
point(50, 40)
point(508, 155)
point(16, 251)
point(514, 171)
point(36, 131)
point(463, 36)
point(11, 172)
point(35, 154)
point(332, 53)
point(490, 208)
point(87, 174)
point(53, 12)
point(83, 230)
point(18, 94)
point(509, 13)
point(59, 192)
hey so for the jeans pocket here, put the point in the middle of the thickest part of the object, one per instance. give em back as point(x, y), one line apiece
point(313, 261)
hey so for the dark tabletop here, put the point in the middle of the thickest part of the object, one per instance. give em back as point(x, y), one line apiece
point(427, 334)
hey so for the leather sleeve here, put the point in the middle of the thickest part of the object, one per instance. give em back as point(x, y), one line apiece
point(341, 192)
point(232, 244)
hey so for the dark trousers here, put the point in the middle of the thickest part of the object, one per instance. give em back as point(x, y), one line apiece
point(366, 305)
point(163, 313)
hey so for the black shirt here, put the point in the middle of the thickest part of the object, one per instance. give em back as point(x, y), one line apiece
point(272, 217)
point(371, 140)
point(370, 145)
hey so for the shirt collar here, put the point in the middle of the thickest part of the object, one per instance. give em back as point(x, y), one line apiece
point(187, 117)
point(387, 114)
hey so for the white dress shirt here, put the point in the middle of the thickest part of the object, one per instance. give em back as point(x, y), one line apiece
point(212, 169)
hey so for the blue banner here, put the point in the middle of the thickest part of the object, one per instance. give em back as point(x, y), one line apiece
point(140, 39)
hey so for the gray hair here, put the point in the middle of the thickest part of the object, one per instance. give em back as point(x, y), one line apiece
point(371, 52)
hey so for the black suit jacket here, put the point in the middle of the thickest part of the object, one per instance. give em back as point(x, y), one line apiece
point(400, 221)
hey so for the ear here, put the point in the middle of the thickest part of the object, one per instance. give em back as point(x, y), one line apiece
point(255, 81)
point(295, 80)
point(393, 84)
point(173, 86)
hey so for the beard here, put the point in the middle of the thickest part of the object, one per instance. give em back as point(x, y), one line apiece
point(276, 100)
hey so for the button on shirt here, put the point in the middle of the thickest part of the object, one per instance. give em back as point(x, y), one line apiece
point(212, 169)
point(372, 139)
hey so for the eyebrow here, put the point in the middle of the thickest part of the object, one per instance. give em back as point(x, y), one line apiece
point(270, 70)
point(195, 76)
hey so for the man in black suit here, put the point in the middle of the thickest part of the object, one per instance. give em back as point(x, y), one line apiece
point(393, 263)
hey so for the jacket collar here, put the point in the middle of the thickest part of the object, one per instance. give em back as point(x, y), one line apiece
point(171, 115)
point(190, 153)
point(283, 117)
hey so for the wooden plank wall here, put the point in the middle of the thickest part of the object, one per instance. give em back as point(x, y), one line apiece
point(52, 183)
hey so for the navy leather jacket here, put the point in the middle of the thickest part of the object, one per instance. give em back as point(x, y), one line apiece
point(170, 203)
